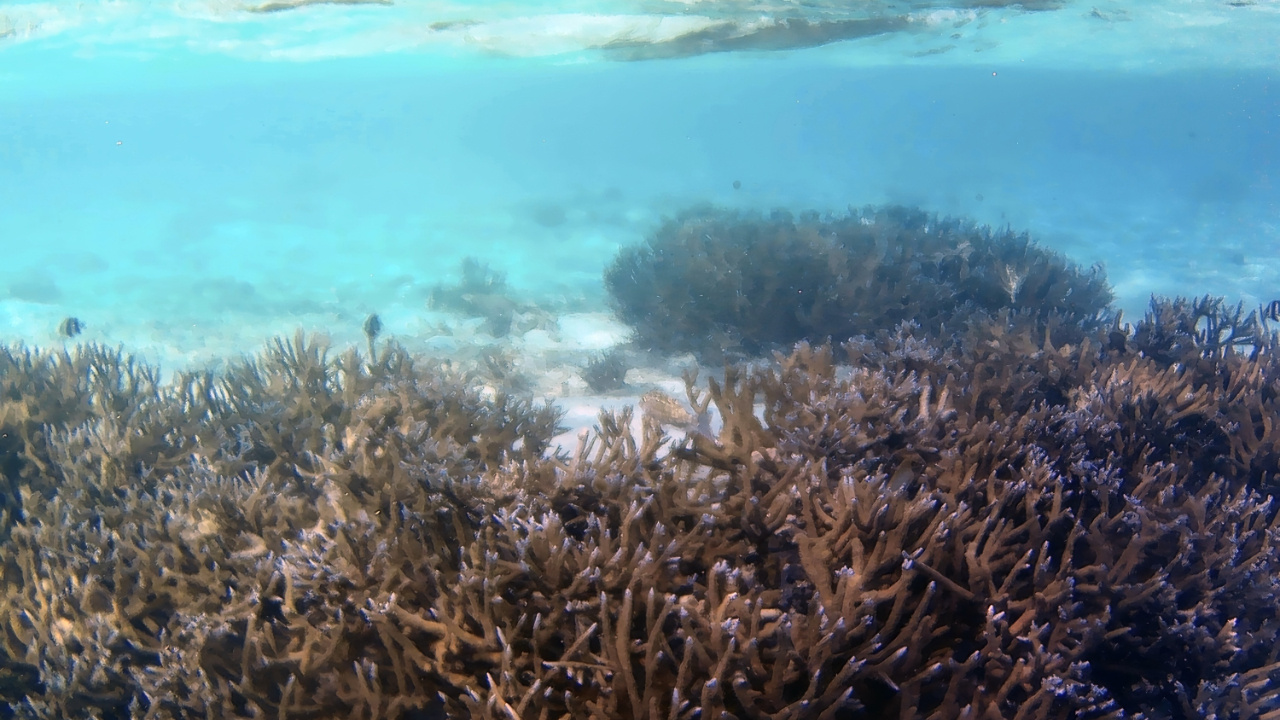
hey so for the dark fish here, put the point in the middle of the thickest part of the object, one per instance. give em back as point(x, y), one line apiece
point(372, 326)
point(1117, 340)
point(70, 327)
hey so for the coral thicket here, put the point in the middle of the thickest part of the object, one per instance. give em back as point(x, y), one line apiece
point(722, 284)
point(1028, 517)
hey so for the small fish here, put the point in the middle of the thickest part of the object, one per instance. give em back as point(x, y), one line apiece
point(666, 409)
point(906, 474)
point(70, 327)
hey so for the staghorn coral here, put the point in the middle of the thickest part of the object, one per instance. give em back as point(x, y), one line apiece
point(1023, 518)
point(719, 283)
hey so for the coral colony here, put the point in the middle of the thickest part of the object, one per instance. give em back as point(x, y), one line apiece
point(946, 481)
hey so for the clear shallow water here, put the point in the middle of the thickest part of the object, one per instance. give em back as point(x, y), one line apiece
point(192, 178)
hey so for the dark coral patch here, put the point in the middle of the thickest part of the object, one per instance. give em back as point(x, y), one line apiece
point(720, 283)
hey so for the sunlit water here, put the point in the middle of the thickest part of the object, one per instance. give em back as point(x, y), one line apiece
point(191, 178)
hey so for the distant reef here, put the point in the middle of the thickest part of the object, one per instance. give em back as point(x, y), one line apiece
point(722, 283)
point(1022, 513)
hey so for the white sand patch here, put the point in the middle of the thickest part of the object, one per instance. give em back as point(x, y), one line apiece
point(592, 331)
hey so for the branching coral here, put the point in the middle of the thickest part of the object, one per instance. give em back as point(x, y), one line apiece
point(204, 539)
point(726, 284)
point(1023, 518)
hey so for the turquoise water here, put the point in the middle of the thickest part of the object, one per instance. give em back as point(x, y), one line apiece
point(190, 179)
point(186, 179)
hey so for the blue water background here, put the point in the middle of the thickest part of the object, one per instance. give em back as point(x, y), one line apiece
point(187, 198)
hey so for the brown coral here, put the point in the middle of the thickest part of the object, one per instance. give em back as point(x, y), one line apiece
point(1028, 519)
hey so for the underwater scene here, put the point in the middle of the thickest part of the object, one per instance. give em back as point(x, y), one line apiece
point(640, 359)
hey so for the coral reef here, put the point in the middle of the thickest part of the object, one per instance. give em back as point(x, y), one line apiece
point(1023, 517)
point(502, 369)
point(151, 531)
point(484, 293)
point(720, 283)
point(606, 372)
